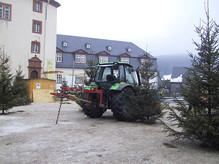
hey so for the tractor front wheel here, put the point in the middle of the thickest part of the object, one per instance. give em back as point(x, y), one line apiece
point(92, 109)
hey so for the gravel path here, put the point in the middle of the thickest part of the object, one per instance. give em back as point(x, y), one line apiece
point(28, 134)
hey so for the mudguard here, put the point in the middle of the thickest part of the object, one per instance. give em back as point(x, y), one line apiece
point(119, 86)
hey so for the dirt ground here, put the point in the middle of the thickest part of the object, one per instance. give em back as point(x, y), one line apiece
point(28, 134)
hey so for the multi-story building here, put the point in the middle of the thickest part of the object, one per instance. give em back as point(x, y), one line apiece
point(28, 35)
point(73, 54)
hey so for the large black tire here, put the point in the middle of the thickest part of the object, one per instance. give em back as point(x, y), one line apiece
point(119, 105)
point(92, 110)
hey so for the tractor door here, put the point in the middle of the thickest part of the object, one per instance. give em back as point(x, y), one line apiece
point(129, 76)
point(106, 76)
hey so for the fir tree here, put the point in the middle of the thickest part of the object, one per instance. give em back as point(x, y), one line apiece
point(6, 93)
point(145, 105)
point(198, 118)
point(20, 96)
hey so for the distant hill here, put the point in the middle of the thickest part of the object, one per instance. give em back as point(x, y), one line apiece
point(167, 62)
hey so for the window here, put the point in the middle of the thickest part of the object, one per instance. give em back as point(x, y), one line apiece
point(125, 60)
point(35, 47)
point(103, 59)
point(1, 11)
point(5, 11)
point(129, 75)
point(79, 80)
point(58, 57)
point(59, 79)
point(143, 61)
point(37, 26)
point(37, 6)
point(80, 59)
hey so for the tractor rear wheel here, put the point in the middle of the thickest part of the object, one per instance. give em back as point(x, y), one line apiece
point(120, 105)
point(92, 109)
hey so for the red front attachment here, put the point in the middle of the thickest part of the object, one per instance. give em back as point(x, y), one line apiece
point(72, 97)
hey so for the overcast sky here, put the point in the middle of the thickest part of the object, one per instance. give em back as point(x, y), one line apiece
point(162, 27)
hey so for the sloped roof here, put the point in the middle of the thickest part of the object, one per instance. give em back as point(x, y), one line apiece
point(99, 45)
point(177, 74)
point(177, 71)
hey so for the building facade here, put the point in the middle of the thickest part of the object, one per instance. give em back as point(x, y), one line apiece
point(28, 35)
point(73, 54)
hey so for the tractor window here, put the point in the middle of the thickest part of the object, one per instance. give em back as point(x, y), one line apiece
point(129, 75)
point(121, 73)
point(105, 74)
point(107, 71)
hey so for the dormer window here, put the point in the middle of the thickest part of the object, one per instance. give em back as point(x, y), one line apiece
point(59, 57)
point(129, 50)
point(143, 60)
point(125, 60)
point(103, 59)
point(87, 46)
point(80, 58)
point(65, 44)
point(109, 48)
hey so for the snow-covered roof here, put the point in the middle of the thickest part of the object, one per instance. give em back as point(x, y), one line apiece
point(176, 76)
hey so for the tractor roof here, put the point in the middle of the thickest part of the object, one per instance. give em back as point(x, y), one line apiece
point(112, 63)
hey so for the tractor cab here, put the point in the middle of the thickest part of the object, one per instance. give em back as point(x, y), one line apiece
point(108, 74)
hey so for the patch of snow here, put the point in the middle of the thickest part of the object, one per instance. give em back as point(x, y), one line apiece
point(177, 80)
point(18, 127)
point(166, 77)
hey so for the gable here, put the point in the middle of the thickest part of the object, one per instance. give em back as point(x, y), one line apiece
point(103, 53)
point(80, 52)
point(125, 55)
point(144, 57)
point(59, 50)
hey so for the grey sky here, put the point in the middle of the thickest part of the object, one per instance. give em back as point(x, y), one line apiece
point(162, 27)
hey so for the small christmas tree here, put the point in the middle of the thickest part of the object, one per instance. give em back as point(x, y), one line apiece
point(6, 93)
point(19, 88)
point(198, 118)
point(145, 106)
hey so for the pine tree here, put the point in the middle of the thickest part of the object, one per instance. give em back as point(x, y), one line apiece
point(20, 96)
point(6, 93)
point(199, 116)
point(145, 105)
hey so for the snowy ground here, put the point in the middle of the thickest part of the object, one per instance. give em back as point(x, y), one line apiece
point(28, 134)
